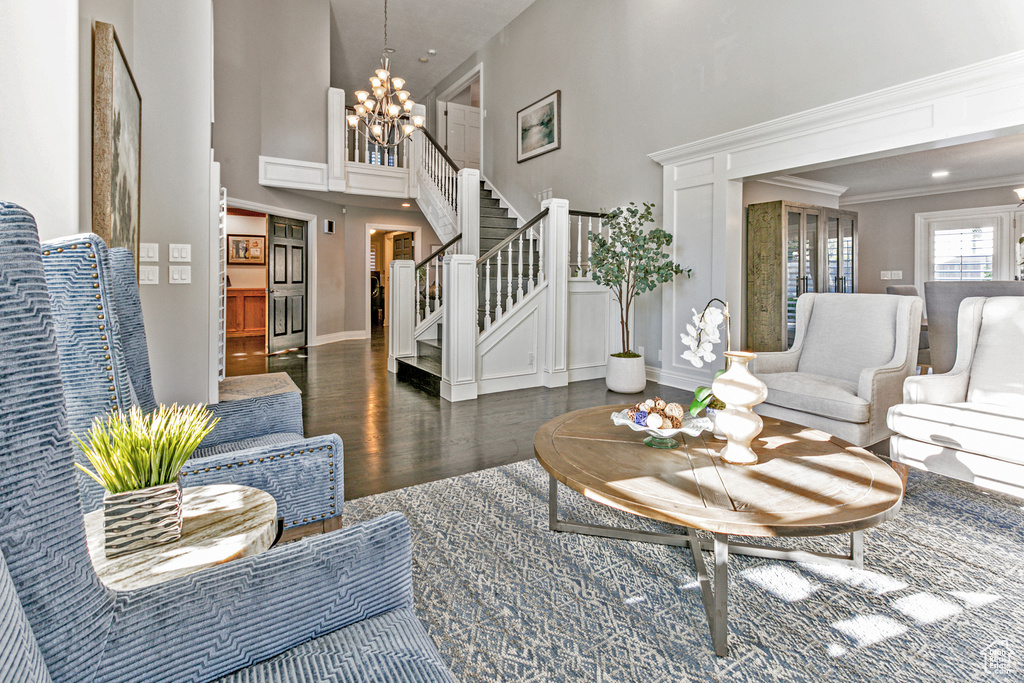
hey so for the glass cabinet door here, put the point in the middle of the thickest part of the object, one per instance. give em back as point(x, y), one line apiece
point(802, 259)
point(847, 253)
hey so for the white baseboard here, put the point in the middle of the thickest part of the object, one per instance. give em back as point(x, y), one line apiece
point(585, 373)
point(340, 336)
point(671, 379)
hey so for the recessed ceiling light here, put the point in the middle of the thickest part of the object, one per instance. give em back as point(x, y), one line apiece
point(406, 204)
point(424, 60)
point(940, 174)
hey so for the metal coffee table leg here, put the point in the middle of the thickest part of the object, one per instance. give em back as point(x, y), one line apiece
point(714, 588)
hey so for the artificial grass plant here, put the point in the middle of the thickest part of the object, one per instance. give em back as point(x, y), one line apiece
point(136, 451)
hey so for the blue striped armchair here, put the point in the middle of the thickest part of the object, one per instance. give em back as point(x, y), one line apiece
point(104, 362)
point(336, 606)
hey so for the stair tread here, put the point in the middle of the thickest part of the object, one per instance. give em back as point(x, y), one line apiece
point(429, 342)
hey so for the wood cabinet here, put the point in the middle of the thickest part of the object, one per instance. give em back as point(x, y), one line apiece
point(792, 249)
point(247, 312)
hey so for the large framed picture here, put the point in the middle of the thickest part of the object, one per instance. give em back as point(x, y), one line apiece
point(247, 250)
point(116, 144)
point(540, 127)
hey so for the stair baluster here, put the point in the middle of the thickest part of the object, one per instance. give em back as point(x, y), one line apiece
point(519, 294)
point(540, 254)
point(529, 281)
point(487, 295)
point(579, 244)
point(509, 303)
point(498, 311)
point(437, 286)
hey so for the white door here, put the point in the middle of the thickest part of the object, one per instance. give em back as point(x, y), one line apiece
point(463, 135)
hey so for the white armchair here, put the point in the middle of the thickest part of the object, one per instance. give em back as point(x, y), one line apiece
point(968, 423)
point(847, 365)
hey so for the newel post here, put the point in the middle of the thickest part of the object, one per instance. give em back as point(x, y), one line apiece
point(468, 190)
point(556, 268)
point(401, 312)
point(337, 138)
point(459, 328)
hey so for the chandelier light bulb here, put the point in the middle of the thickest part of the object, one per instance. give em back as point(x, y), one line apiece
point(398, 82)
point(378, 130)
point(360, 110)
point(353, 120)
point(379, 92)
point(417, 121)
point(408, 105)
point(370, 104)
point(361, 95)
point(394, 110)
point(408, 128)
point(383, 74)
point(403, 95)
point(375, 82)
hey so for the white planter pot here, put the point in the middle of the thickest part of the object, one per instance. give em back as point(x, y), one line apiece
point(626, 375)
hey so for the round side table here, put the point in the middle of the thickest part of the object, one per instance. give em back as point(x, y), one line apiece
point(220, 522)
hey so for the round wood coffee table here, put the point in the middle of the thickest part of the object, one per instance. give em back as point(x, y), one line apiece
point(806, 483)
point(220, 522)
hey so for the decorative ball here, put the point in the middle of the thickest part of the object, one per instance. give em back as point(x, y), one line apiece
point(659, 403)
point(631, 413)
point(654, 421)
point(649, 403)
point(640, 418)
point(674, 410)
point(675, 421)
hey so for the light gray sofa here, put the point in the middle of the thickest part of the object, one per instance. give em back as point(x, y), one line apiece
point(969, 423)
point(847, 365)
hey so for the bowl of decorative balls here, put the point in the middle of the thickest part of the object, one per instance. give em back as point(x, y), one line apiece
point(661, 421)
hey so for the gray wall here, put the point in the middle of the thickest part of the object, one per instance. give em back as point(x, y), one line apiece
point(638, 77)
point(173, 67)
point(886, 231)
point(39, 111)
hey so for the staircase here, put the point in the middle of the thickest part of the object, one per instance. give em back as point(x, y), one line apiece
point(424, 371)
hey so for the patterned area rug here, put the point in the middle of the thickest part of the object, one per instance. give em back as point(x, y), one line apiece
point(940, 597)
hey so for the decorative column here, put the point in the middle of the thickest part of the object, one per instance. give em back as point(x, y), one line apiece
point(468, 189)
point(401, 312)
point(458, 331)
point(337, 137)
point(556, 270)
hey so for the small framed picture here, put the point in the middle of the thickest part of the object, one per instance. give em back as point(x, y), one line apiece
point(247, 250)
point(540, 127)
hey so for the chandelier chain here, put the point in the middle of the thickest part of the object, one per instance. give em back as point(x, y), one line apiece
point(385, 26)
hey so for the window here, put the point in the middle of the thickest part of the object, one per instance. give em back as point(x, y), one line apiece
point(967, 244)
point(373, 256)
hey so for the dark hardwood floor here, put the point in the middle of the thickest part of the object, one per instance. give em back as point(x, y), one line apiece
point(396, 435)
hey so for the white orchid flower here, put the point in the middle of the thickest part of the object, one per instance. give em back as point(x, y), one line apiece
point(693, 358)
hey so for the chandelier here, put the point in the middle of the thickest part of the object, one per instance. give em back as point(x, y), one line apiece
point(384, 111)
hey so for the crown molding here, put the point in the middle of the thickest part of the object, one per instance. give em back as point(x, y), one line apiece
point(979, 77)
point(797, 183)
point(923, 191)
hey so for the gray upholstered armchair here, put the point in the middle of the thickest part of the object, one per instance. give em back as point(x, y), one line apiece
point(847, 365)
point(968, 423)
point(346, 595)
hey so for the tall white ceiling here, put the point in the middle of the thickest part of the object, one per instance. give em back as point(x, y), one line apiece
point(454, 28)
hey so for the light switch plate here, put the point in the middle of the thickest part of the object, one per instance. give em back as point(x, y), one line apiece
point(149, 251)
point(896, 275)
point(886, 275)
point(180, 275)
point(179, 253)
point(149, 275)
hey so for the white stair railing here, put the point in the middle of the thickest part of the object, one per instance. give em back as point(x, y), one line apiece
point(439, 168)
point(430, 280)
point(509, 265)
point(581, 225)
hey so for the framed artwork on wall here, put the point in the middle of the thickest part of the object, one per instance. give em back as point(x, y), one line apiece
point(247, 250)
point(116, 144)
point(540, 127)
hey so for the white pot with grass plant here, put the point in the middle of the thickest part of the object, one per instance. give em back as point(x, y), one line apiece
point(137, 459)
point(630, 262)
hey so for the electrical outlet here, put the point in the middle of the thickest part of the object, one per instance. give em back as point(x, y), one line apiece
point(149, 251)
point(149, 275)
point(886, 275)
point(180, 275)
point(531, 360)
point(896, 275)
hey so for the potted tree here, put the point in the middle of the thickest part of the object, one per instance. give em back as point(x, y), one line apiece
point(630, 262)
point(137, 458)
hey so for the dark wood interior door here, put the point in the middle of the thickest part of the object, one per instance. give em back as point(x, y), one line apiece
point(286, 299)
point(403, 246)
